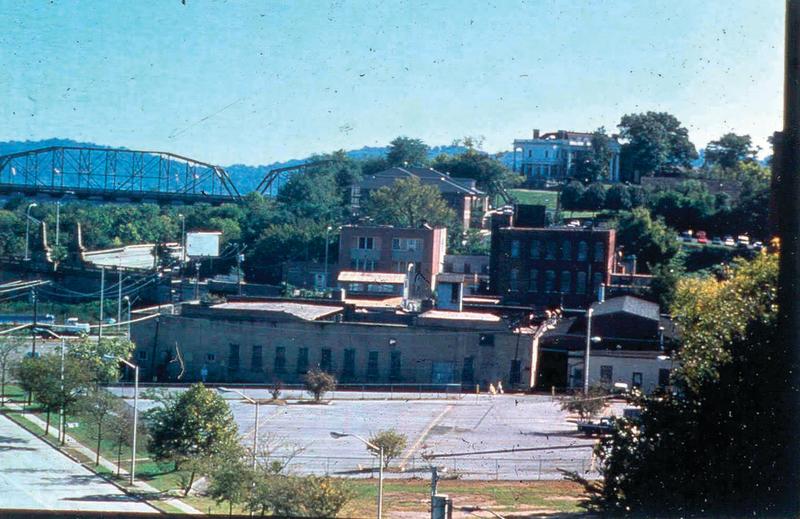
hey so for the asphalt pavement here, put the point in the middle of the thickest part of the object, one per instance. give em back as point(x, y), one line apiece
point(35, 476)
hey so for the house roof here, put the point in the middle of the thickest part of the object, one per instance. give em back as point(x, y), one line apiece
point(427, 176)
point(306, 312)
point(460, 316)
point(627, 304)
point(350, 276)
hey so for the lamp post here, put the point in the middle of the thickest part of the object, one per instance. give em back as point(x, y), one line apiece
point(255, 426)
point(135, 409)
point(339, 435)
point(58, 219)
point(28, 229)
point(587, 354)
point(128, 302)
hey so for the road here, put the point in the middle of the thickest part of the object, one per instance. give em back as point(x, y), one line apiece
point(34, 476)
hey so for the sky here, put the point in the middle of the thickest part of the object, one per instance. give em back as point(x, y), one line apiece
point(258, 82)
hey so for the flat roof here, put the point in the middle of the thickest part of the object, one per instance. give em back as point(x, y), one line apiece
point(349, 276)
point(460, 316)
point(389, 302)
point(308, 312)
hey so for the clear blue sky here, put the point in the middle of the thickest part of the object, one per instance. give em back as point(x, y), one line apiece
point(256, 82)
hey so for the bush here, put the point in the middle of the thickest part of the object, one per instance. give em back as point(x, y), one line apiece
point(586, 406)
point(594, 198)
point(318, 383)
point(393, 444)
point(571, 196)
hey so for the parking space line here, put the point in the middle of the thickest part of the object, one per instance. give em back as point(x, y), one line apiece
point(424, 434)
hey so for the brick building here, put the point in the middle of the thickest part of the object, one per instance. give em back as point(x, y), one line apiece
point(261, 341)
point(390, 250)
point(549, 266)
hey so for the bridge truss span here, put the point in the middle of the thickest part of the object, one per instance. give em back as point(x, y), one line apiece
point(115, 174)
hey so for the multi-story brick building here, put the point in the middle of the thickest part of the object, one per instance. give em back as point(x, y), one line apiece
point(549, 266)
point(273, 339)
point(390, 250)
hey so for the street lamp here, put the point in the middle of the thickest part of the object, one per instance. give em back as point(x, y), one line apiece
point(339, 435)
point(128, 302)
point(255, 427)
point(28, 228)
point(135, 408)
point(327, 232)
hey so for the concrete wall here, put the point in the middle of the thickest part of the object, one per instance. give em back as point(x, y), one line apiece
point(623, 366)
point(425, 351)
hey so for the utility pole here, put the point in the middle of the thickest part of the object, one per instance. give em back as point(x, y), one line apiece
point(35, 319)
point(197, 280)
point(102, 300)
point(785, 356)
point(327, 231)
point(58, 219)
point(239, 260)
point(586, 355)
point(119, 298)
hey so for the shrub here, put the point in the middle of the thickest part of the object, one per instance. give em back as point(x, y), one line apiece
point(393, 444)
point(318, 383)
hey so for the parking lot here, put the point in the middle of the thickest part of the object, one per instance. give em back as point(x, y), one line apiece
point(457, 425)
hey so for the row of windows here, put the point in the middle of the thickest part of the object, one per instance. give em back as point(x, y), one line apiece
point(280, 364)
point(398, 244)
point(550, 250)
point(548, 284)
point(607, 376)
point(363, 265)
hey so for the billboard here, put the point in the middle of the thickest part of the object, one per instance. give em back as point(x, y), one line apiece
point(202, 244)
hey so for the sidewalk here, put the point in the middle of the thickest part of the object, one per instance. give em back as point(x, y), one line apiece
point(139, 487)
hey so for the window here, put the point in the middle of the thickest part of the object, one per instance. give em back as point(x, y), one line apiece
point(448, 267)
point(583, 251)
point(536, 249)
point(233, 357)
point(580, 283)
point(513, 280)
point(372, 365)
point(141, 355)
point(467, 268)
point(302, 360)
point(550, 250)
point(349, 369)
point(394, 366)
point(663, 377)
point(211, 357)
point(256, 360)
point(636, 380)
point(566, 250)
point(363, 265)
point(486, 339)
point(515, 248)
point(606, 374)
point(325, 360)
point(550, 281)
point(599, 251)
point(515, 375)
point(355, 287)
point(280, 359)
point(406, 244)
point(533, 281)
point(566, 282)
point(365, 242)
point(468, 371)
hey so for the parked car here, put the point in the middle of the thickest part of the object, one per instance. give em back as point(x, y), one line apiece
point(72, 325)
point(743, 239)
point(604, 427)
point(729, 241)
point(701, 237)
point(716, 241)
point(686, 236)
point(758, 245)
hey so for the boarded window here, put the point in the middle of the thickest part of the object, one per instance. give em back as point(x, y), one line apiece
point(566, 282)
point(349, 369)
point(325, 360)
point(468, 371)
point(280, 359)
point(536, 249)
point(372, 365)
point(257, 359)
point(515, 249)
point(233, 357)
point(533, 281)
point(566, 250)
point(583, 251)
point(550, 281)
point(302, 360)
point(394, 366)
point(606, 374)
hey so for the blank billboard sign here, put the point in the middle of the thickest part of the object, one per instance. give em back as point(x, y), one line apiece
point(204, 244)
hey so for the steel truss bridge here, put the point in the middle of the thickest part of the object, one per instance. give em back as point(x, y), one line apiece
point(114, 174)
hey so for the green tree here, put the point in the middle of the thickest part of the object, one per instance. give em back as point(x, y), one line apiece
point(730, 150)
point(649, 239)
point(231, 480)
point(119, 430)
point(654, 143)
point(585, 406)
point(407, 151)
point(719, 422)
point(490, 175)
point(393, 443)
point(618, 198)
point(594, 198)
point(318, 383)
point(190, 426)
point(98, 407)
point(101, 357)
point(9, 348)
point(409, 203)
point(665, 281)
point(571, 196)
point(593, 164)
